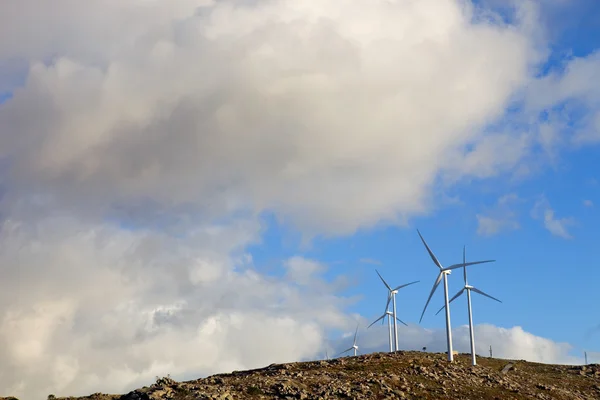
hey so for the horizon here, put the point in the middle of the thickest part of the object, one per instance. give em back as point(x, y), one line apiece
point(205, 186)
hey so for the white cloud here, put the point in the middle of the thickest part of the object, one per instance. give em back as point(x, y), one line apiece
point(570, 98)
point(556, 226)
point(508, 343)
point(500, 217)
point(593, 357)
point(149, 135)
point(335, 115)
point(588, 203)
point(107, 310)
point(303, 271)
point(488, 226)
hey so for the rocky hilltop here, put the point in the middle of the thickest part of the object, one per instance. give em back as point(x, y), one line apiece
point(402, 375)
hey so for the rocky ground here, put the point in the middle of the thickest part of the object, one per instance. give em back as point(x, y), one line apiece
point(403, 375)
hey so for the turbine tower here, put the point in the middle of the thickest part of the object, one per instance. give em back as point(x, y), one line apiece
point(444, 272)
point(468, 288)
point(389, 316)
point(354, 346)
point(392, 297)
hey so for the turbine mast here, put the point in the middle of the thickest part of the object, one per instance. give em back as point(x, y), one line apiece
point(471, 329)
point(390, 331)
point(448, 327)
point(395, 323)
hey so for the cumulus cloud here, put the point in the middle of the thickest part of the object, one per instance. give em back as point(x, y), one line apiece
point(569, 96)
point(335, 115)
point(588, 203)
point(86, 309)
point(302, 271)
point(509, 343)
point(144, 139)
point(593, 357)
point(556, 226)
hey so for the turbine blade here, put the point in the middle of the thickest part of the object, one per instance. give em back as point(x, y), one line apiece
point(433, 257)
point(455, 266)
point(387, 305)
point(464, 262)
point(383, 320)
point(402, 322)
point(456, 296)
point(435, 285)
point(405, 285)
point(355, 333)
point(383, 280)
point(440, 310)
point(377, 320)
point(484, 294)
point(345, 351)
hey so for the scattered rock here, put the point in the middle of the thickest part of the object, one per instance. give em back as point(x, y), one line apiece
point(135, 395)
point(507, 368)
point(402, 375)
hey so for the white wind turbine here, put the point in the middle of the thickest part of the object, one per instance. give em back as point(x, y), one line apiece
point(444, 272)
point(354, 346)
point(468, 288)
point(388, 314)
point(392, 297)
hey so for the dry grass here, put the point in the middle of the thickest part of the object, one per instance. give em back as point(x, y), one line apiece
point(403, 375)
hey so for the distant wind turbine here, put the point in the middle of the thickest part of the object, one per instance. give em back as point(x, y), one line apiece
point(392, 297)
point(389, 316)
point(444, 272)
point(468, 288)
point(354, 346)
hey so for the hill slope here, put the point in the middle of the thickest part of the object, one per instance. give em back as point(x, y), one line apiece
point(403, 375)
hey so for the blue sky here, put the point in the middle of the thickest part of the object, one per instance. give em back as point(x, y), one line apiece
point(224, 179)
point(546, 282)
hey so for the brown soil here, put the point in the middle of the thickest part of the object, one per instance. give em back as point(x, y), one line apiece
point(402, 375)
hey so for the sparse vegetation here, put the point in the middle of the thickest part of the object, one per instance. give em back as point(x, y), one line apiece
point(403, 375)
point(254, 391)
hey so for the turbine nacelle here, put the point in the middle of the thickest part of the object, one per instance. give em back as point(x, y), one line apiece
point(354, 345)
point(444, 272)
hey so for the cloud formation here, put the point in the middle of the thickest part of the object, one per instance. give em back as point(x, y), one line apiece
point(556, 226)
point(499, 218)
point(100, 309)
point(509, 343)
point(569, 96)
point(145, 138)
point(334, 115)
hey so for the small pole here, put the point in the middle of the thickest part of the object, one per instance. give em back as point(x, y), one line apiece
point(585, 354)
point(490, 351)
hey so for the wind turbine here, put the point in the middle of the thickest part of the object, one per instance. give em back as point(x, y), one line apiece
point(468, 288)
point(354, 346)
point(444, 272)
point(392, 297)
point(388, 314)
